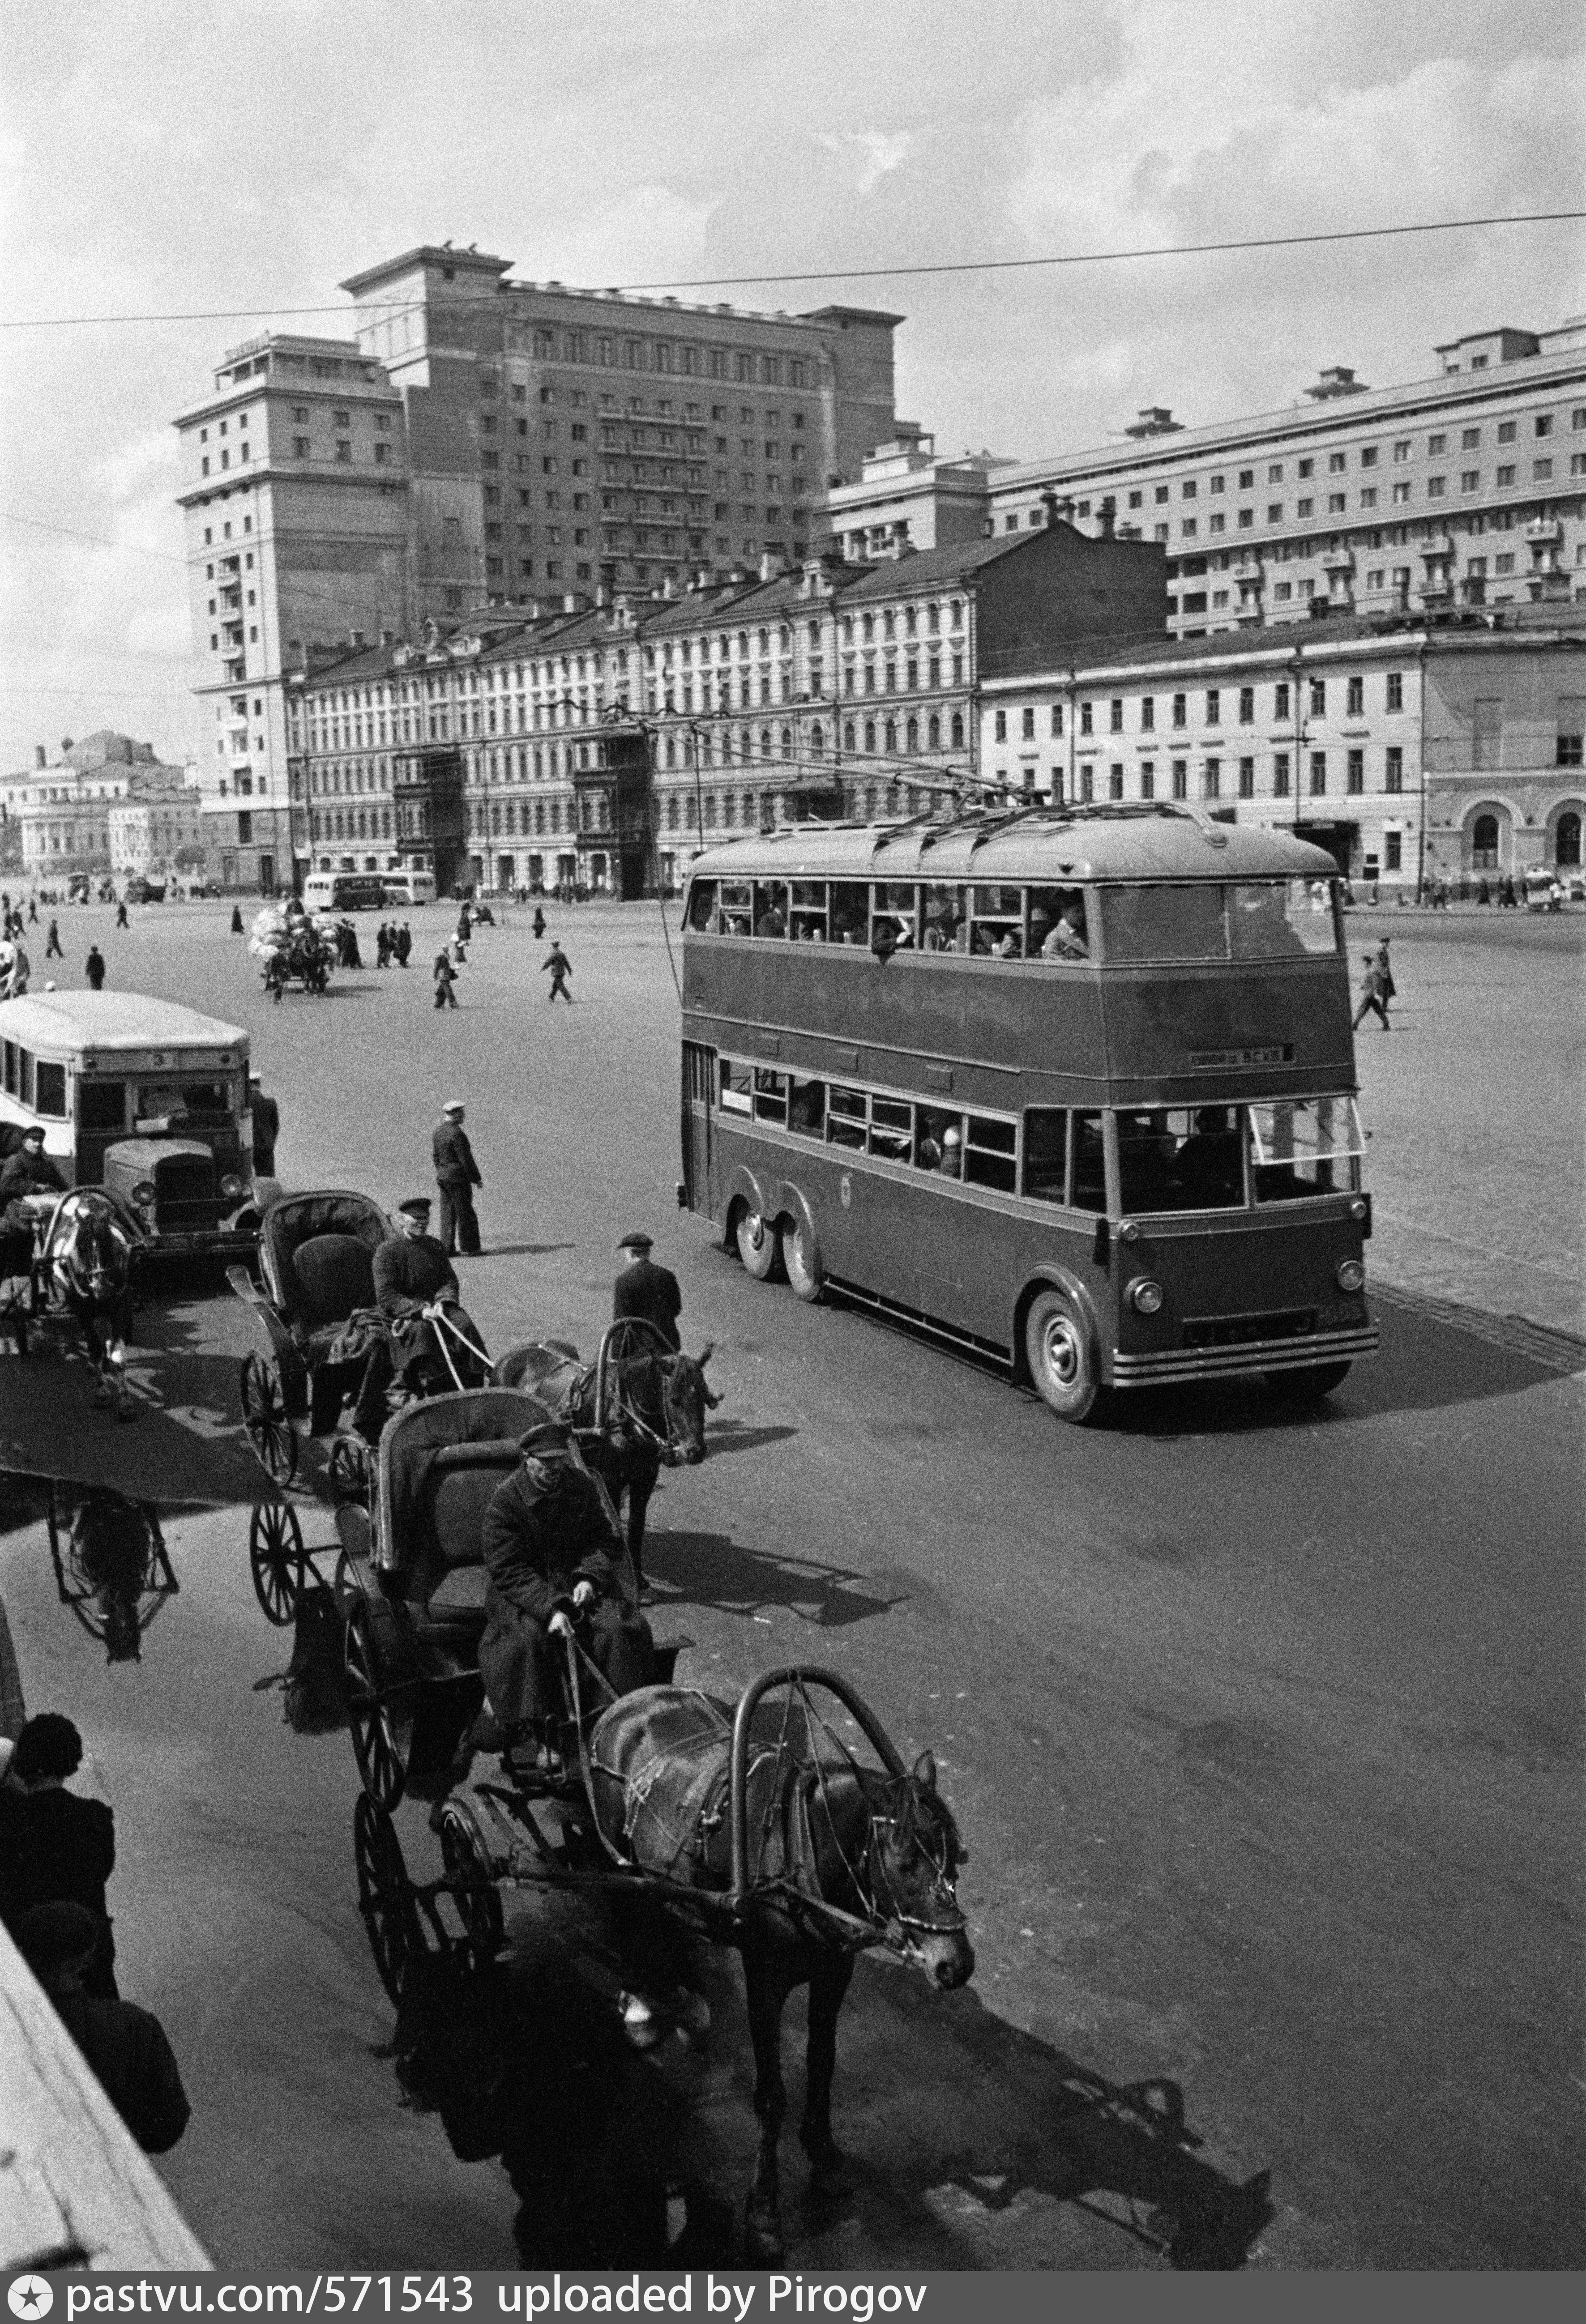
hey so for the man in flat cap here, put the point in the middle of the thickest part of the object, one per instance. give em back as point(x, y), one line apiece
point(413, 1274)
point(457, 1174)
point(555, 1567)
point(124, 2045)
point(647, 1291)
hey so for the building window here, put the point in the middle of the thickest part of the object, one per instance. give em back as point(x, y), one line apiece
point(1280, 775)
point(1247, 779)
point(1506, 477)
point(1396, 690)
point(1318, 774)
point(1115, 715)
point(1395, 778)
point(1148, 715)
point(1318, 697)
point(1086, 717)
point(1355, 697)
point(1435, 487)
point(1000, 728)
point(1355, 772)
point(1181, 778)
point(1247, 705)
point(1056, 718)
point(1028, 724)
point(1115, 782)
point(1541, 471)
point(1211, 779)
point(1213, 705)
point(1181, 709)
point(1148, 779)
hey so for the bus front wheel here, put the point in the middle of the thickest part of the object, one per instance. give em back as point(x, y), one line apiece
point(801, 1257)
point(1308, 1385)
point(1062, 1357)
point(757, 1245)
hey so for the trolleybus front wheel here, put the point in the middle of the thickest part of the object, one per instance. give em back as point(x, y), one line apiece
point(1062, 1357)
point(1308, 1385)
point(802, 1259)
point(757, 1245)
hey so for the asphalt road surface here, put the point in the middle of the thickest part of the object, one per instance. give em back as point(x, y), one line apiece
point(1263, 1731)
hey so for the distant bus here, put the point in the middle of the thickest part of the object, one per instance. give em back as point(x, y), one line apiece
point(1072, 1089)
point(344, 892)
point(405, 887)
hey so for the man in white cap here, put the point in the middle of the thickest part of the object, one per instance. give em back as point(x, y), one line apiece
point(645, 1290)
point(457, 1174)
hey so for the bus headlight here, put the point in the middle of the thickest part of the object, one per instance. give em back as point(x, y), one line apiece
point(1349, 1275)
point(1146, 1296)
point(142, 1193)
point(231, 1186)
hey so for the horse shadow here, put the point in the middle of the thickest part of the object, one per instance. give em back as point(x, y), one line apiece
point(737, 1436)
point(712, 1570)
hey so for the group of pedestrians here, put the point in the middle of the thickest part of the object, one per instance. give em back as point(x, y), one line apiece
point(392, 943)
point(57, 1854)
point(16, 969)
point(1377, 988)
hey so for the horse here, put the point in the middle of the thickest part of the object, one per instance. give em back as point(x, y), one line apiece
point(88, 1255)
point(848, 1856)
point(114, 1550)
point(656, 1403)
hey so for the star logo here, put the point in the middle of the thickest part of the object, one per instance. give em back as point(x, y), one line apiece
point(31, 2296)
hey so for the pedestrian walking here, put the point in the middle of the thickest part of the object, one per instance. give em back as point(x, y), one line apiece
point(464, 925)
point(560, 968)
point(404, 944)
point(445, 976)
point(94, 968)
point(538, 922)
point(52, 943)
point(266, 1119)
point(646, 1291)
point(125, 2046)
point(122, 922)
point(236, 919)
point(457, 1174)
point(1372, 996)
point(1386, 965)
point(34, 911)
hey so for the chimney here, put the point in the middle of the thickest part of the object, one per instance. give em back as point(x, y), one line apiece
point(1108, 516)
point(388, 637)
point(357, 637)
point(41, 756)
point(768, 566)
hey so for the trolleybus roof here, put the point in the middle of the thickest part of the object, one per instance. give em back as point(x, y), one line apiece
point(112, 1021)
point(1053, 845)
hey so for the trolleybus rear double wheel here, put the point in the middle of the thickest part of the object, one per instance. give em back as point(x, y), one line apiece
point(757, 1241)
point(276, 1560)
point(385, 1899)
point(264, 1419)
point(1062, 1357)
point(1306, 1385)
point(801, 1257)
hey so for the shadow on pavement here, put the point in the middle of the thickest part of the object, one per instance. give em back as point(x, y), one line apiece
point(737, 1436)
point(710, 1569)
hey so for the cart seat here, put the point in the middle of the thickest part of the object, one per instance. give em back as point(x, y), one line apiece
point(439, 1465)
point(332, 1275)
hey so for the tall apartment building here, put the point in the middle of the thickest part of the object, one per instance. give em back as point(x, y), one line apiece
point(857, 678)
point(1466, 488)
point(482, 442)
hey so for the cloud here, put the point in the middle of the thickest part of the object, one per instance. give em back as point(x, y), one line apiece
point(876, 151)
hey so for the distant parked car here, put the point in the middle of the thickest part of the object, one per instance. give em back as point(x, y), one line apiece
point(145, 891)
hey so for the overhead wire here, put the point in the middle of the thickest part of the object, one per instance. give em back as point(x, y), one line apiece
point(848, 273)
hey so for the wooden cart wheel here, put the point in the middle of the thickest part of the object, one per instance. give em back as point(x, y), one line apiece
point(385, 1899)
point(381, 1737)
point(276, 1559)
point(264, 1418)
point(349, 1470)
point(469, 1869)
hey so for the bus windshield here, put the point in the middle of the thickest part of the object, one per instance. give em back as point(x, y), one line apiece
point(1257, 919)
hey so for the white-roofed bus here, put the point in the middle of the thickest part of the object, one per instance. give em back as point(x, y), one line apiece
point(1073, 1088)
point(143, 1097)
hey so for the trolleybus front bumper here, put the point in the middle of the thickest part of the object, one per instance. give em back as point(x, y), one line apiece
point(1277, 1355)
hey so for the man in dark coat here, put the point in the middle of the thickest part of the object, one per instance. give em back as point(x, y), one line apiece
point(124, 2045)
point(94, 968)
point(457, 1174)
point(54, 1845)
point(645, 1290)
point(445, 976)
point(1373, 994)
point(413, 1272)
point(402, 945)
point(29, 1170)
point(560, 968)
point(554, 1563)
point(266, 1116)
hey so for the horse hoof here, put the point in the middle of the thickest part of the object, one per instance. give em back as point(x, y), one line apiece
point(763, 2236)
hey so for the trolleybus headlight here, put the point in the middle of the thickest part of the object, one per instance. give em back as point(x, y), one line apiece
point(1349, 1275)
point(1359, 1208)
point(1129, 1231)
point(1146, 1295)
point(231, 1186)
point(142, 1193)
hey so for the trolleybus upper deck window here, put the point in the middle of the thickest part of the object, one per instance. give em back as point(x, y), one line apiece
point(1189, 920)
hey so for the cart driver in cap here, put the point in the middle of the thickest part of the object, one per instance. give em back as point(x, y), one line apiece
point(555, 1567)
point(413, 1277)
point(647, 1291)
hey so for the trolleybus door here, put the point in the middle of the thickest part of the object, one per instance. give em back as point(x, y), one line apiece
point(699, 1128)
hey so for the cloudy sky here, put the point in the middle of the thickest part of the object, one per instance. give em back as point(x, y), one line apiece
point(177, 157)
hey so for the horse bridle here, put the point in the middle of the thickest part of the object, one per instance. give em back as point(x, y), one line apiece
point(668, 1446)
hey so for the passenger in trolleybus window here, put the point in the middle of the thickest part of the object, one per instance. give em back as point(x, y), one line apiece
point(975, 1123)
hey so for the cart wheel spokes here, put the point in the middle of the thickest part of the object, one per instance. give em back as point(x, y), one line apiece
point(469, 1869)
point(349, 1470)
point(264, 1418)
point(380, 1738)
point(276, 1558)
point(385, 1899)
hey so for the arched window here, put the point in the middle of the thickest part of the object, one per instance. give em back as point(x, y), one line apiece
point(671, 749)
point(787, 742)
point(911, 737)
point(729, 806)
point(672, 810)
point(765, 741)
point(933, 731)
point(957, 743)
point(869, 798)
point(891, 798)
point(539, 817)
point(1566, 853)
point(891, 738)
point(869, 737)
point(496, 817)
point(1484, 843)
point(818, 742)
point(848, 735)
point(751, 811)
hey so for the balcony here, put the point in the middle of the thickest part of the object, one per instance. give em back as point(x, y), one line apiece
point(1339, 561)
point(1437, 548)
point(1542, 531)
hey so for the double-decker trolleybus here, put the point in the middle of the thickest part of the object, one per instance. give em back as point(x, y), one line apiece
point(1075, 1089)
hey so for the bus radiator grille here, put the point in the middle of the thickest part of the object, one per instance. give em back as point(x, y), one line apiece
point(1234, 1330)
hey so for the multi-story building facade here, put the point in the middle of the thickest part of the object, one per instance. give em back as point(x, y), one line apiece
point(160, 828)
point(906, 498)
point(1412, 750)
point(63, 811)
point(486, 442)
point(1466, 488)
point(861, 683)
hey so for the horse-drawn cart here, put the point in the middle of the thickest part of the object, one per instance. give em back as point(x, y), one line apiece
point(317, 1260)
